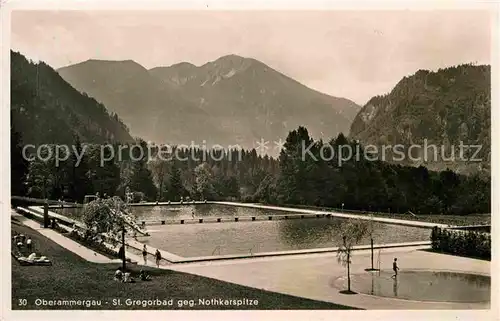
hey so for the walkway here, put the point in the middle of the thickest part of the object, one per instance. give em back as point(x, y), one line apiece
point(177, 259)
point(343, 215)
point(89, 254)
point(312, 276)
point(69, 244)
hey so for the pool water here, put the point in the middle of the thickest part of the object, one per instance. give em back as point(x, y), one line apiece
point(436, 286)
point(266, 236)
point(206, 239)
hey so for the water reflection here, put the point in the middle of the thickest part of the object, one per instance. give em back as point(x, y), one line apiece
point(436, 286)
point(476, 280)
point(309, 231)
point(372, 292)
point(296, 232)
point(395, 287)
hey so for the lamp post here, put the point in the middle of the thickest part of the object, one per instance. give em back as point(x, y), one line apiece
point(342, 207)
point(372, 268)
point(124, 262)
point(46, 214)
point(371, 237)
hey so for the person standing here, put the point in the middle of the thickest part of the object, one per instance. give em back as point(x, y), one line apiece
point(121, 253)
point(395, 267)
point(158, 257)
point(29, 244)
point(145, 254)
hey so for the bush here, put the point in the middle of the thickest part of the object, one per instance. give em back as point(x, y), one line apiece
point(99, 247)
point(465, 243)
point(138, 197)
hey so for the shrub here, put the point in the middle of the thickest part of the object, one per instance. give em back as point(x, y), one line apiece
point(465, 243)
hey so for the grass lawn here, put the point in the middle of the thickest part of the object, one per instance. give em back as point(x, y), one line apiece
point(459, 220)
point(73, 278)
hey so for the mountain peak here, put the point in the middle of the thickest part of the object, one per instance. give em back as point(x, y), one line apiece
point(107, 63)
point(111, 61)
point(228, 65)
point(231, 57)
point(181, 65)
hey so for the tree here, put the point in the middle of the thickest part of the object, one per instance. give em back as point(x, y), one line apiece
point(351, 233)
point(203, 178)
point(175, 187)
point(293, 168)
point(40, 179)
point(18, 164)
point(105, 177)
point(103, 223)
point(449, 181)
point(142, 179)
point(44, 179)
point(159, 170)
point(78, 180)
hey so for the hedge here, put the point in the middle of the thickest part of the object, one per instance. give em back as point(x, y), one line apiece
point(464, 243)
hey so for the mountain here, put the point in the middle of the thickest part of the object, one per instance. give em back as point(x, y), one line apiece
point(443, 108)
point(46, 109)
point(153, 110)
point(232, 100)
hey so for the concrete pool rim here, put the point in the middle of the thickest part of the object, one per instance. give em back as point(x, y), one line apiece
point(176, 259)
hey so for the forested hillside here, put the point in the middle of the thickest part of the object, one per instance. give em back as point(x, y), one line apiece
point(445, 108)
point(45, 109)
point(317, 179)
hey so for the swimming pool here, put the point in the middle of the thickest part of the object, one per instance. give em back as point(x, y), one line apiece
point(207, 239)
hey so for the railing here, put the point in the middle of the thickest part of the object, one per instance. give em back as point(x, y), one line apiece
point(378, 261)
point(217, 248)
point(41, 201)
point(251, 249)
point(125, 218)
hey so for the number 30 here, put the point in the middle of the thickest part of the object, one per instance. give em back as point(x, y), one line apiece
point(23, 302)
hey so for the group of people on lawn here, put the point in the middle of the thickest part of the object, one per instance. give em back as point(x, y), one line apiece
point(22, 241)
point(127, 278)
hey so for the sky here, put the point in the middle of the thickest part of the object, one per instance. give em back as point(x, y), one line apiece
point(350, 54)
